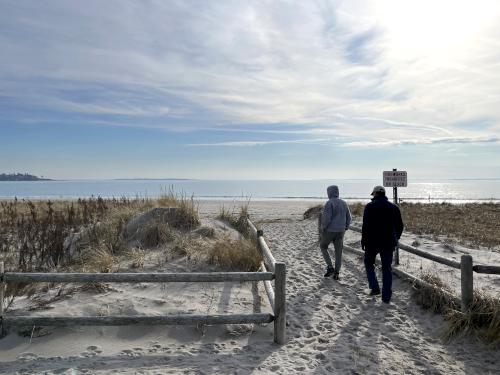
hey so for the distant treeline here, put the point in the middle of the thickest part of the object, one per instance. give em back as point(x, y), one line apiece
point(20, 177)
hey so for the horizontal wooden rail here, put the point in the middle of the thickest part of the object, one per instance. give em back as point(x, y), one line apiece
point(419, 282)
point(266, 252)
point(252, 227)
point(427, 255)
point(354, 228)
point(120, 320)
point(421, 253)
point(492, 270)
point(408, 277)
point(268, 287)
point(268, 256)
point(277, 298)
point(26, 277)
point(355, 251)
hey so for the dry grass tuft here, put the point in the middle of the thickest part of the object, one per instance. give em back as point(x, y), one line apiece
point(435, 298)
point(188, 217)
point(96, 287)
point(154, 234)
point(242, 255)
point(482, 320)
point(97, 259)
point(137, 256)
point(181, 246)
point(238, 221)
point(313, 212)
point(357, 209)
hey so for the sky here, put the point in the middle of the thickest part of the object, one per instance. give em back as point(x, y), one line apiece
point(250, 90)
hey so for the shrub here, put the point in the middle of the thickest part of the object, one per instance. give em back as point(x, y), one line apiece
point(242, 255)
point(32, 233)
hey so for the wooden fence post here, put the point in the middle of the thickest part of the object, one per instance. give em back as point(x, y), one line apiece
point(280, 303)
point(467, 281)
point(2, 292)
point(396, 255)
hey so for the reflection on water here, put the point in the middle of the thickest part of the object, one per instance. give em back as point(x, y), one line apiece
point(445, 190)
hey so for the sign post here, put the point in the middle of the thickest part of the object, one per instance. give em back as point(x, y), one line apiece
point(395, 190)
point(395, 179)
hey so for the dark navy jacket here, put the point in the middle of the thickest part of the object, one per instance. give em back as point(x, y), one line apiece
point(382, 224)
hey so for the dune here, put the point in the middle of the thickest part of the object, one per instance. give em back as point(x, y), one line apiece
point(333, 326)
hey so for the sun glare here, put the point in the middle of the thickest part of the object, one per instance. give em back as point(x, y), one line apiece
point(435, 27)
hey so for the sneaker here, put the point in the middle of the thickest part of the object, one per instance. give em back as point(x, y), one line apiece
point(336, 276)
point(374, 292)
point(385, 300)
point(329, 272)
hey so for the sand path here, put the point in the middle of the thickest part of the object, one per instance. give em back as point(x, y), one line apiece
point(337, 327)
point(334, 327)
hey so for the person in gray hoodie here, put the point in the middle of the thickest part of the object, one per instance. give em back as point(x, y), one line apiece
point(335, 220)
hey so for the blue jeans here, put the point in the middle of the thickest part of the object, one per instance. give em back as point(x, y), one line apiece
point(386, 257)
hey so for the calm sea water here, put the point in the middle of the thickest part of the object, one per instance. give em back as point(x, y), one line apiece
point(443, 190)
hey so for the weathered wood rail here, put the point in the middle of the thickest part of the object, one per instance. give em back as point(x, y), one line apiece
point(276, 296)
point(277, 299)
point(465, 266)
point(200, 277)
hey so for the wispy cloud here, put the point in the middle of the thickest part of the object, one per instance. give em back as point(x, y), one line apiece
point(364, 72)
point(262, 143)
point(422, 141)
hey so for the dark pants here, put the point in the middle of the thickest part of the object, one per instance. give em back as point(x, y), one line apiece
point(386, 257)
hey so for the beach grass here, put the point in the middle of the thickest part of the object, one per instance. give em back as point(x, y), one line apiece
point(482, 320)
point(237, 219)
point(470, 224)
point(32, 233)
point(241, 255)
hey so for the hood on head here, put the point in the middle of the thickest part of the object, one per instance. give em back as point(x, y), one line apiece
point(333, 191)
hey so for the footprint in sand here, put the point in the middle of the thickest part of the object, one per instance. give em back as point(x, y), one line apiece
point(27, 356)
point(91, 351)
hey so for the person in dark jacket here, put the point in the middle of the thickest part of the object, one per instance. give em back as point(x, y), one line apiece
point(382, 228)
point(335, 220)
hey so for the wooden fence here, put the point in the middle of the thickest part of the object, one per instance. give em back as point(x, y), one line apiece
point(276, 295)
point(465, 266)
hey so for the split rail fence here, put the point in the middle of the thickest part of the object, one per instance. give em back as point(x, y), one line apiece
point(465, 266)
point(276, 295)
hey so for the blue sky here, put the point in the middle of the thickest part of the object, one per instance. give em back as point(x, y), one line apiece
point(250, 90)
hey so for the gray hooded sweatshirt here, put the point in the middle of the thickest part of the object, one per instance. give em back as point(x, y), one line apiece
point(336, 216)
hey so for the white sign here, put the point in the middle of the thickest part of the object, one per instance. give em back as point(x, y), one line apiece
point(395, 179)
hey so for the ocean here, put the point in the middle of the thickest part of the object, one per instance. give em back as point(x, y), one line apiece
point(458, 191)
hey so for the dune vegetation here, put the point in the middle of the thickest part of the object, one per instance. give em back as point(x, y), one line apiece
point(34, 237)
point(470, 224)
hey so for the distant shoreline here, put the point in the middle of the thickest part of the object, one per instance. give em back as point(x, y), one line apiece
point(20, 177)
point(150, 179)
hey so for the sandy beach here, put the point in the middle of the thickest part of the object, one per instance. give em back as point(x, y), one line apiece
point(334, 326)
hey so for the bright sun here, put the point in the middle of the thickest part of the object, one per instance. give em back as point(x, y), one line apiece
point(436, 27)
